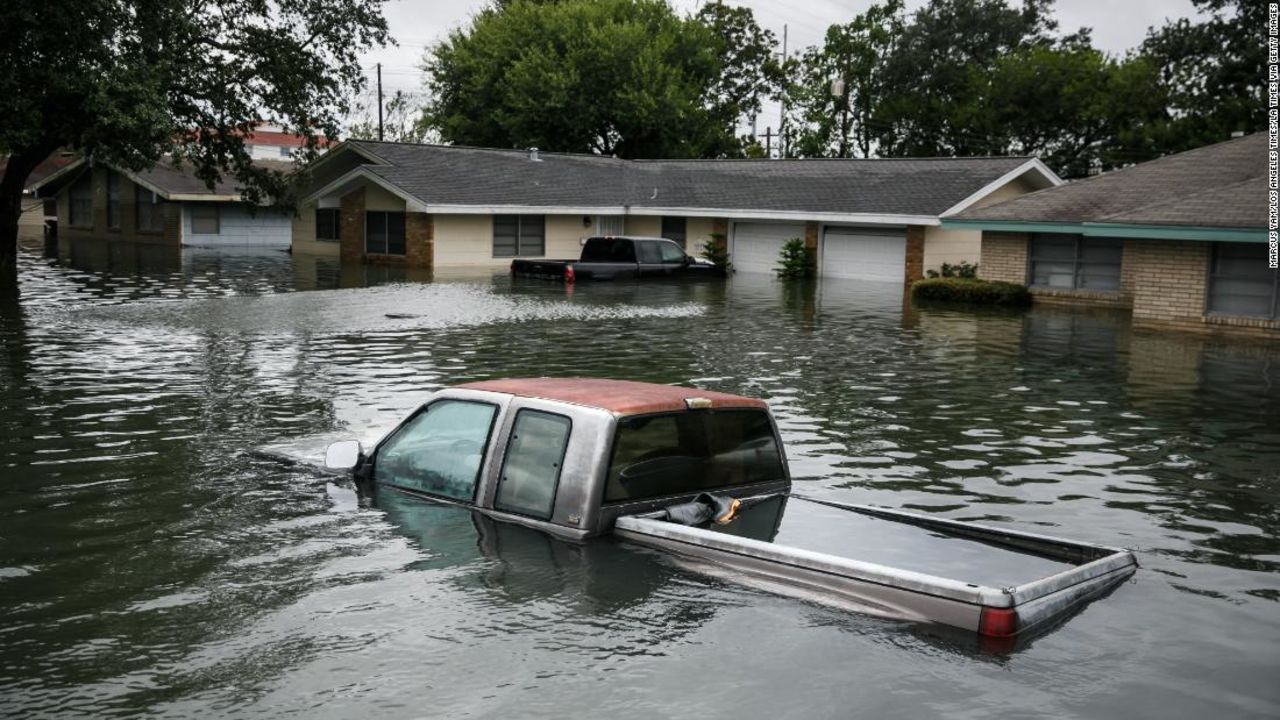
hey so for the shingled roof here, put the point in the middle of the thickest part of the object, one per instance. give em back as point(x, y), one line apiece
point(171, 181)
point(1222, 185)
point(439, 175)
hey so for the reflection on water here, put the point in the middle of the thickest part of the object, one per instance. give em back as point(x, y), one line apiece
point(151, 565)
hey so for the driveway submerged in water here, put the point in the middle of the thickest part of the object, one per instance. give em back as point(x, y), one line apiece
point(150, 565)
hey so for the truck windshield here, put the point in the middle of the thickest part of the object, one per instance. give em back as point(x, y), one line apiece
point(609, 250)
point(690, 452)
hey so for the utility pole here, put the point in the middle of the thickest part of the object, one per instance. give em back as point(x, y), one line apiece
point(768, 142)
point(379, 102)
point(782, 103)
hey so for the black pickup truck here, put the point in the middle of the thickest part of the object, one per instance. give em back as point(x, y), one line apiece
point(609, 258)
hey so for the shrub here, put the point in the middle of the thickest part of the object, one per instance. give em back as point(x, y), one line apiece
point(964, 270)
point(717, 251)
point(977, 292)
point(796, 261)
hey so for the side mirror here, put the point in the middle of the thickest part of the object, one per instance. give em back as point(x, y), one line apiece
point(343, 455)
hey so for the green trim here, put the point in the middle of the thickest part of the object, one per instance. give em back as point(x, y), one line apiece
point(1116, 230)
point(1011, 226)
point(1166, 232)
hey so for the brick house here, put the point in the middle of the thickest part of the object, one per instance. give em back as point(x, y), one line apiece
point(441, 207)
point(164, 205)
point(1181, 241)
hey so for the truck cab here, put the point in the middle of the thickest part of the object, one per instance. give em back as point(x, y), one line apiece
point(571, 455)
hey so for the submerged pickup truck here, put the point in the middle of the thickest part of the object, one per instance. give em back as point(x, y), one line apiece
point(620, 258)
point(703, 475)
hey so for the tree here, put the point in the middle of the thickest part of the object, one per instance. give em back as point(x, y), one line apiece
point(928, 73)
point(1213, 71)
point(128, 81)
point(1070, 105)
point(749, 71)
point(401, 122)
point(614, 77)
point(840, 85)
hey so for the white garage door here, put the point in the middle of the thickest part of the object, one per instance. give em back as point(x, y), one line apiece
point(756, 245)
point(864, 253)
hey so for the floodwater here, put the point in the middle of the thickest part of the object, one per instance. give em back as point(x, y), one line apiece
point(150, 566)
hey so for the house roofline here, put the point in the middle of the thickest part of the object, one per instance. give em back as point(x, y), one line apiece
point(1115, 230)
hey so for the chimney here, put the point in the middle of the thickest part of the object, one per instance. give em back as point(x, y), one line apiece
point(533, 155)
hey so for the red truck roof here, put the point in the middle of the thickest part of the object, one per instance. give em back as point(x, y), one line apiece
point(620, 397)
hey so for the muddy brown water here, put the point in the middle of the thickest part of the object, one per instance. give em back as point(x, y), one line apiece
point(150, 566)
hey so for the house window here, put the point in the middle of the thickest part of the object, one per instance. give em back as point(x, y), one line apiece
point(1240, 283)
point(675, 229)
point(1074, 262)
point(148, 211)
point(81, 202)
point(113, 200)
point(611, 225)
point(384, 233)
point(532, 464)
point(204, 219)
point(327, 224)
point(519, 235)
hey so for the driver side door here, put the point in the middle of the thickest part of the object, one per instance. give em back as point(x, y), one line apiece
point(440, 451)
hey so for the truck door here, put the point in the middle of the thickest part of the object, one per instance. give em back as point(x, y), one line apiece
point(650, 258)
point(674, 261)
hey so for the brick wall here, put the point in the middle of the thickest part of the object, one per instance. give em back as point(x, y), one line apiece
point(351, 230)
point(1004, 257)
point(419, 237)
point(1168, 279)
point(128, 229)
point(915, 253)
point(1171, 285)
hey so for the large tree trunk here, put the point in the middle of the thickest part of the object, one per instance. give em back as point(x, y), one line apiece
point(16, 172)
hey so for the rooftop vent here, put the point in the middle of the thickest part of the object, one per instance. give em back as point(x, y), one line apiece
point(533, 155)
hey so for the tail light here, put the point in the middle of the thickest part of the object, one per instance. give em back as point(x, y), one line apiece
point(998, 622)
point(569, 274)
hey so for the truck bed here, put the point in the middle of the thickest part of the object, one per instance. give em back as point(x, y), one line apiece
point(996, 582)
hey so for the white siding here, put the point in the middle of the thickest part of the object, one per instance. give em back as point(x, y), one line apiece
point(951, 246)
point(238, 228)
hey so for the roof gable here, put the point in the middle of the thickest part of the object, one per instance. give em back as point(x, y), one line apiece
point(1217, 185)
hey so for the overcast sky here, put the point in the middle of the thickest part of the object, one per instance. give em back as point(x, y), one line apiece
point(418, 24)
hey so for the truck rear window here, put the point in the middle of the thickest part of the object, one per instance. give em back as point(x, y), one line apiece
point(609, 250)
point(690, 452)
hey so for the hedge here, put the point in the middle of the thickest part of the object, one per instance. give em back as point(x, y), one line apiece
point(977, 292)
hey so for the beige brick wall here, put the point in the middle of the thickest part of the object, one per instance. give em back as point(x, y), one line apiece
point(1004, 257)
point(1168, 278)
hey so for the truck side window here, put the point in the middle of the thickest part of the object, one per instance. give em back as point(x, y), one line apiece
point(533, 462)
point(439, 451)
point(649, 254)
point(689, 452)
point(671, 253)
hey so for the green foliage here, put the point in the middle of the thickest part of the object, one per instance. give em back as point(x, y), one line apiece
point(929, 71)
point(963, 270)
point(795, 260)
point(615, 77)
point(827, 123)
point(128, 81)
point(971, 291)
point(716, 249)
point(1213, 71)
